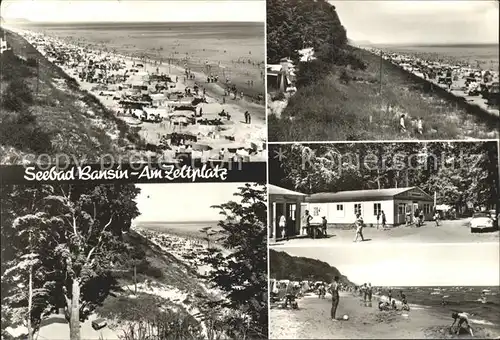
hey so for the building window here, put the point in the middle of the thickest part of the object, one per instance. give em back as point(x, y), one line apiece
point(293, 209)
point(377, 208)
point(316, 211)
point(357, 209)
point(340, 207)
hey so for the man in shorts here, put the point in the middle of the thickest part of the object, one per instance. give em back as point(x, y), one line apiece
point(463, 322)
point(334, 290)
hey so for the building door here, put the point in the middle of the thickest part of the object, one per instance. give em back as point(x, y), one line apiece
point(401, 217)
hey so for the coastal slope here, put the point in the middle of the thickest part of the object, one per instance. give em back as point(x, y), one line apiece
point(44, 111)
point(284, 266)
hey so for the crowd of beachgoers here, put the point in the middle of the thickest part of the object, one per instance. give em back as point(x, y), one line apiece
point(477, 85)
point(175, 112)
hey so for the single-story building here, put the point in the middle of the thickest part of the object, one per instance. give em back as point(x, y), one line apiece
point(288, 203)
point(340, 208)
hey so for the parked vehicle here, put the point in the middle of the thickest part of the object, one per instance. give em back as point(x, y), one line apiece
point(481, 222)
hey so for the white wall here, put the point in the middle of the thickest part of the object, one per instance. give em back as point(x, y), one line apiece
point(347, 215)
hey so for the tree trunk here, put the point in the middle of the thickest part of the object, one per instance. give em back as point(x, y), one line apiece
point(74, 309)
point(135, 280)
point(30, 304)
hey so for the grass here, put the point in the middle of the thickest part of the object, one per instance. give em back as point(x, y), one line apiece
point(347, 105)
point(64, 118)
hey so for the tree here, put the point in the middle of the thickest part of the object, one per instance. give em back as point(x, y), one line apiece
point(242, 274)
point(80, 228)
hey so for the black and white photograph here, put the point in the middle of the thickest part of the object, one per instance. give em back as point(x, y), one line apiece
point(363, 193)
point(134, 261)
point(382, 70)
point(133, 80)
point(385, 292)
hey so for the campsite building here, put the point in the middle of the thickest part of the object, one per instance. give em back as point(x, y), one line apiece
point(340, 208)
point(288, 203)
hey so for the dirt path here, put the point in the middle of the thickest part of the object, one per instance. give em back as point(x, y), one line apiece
point(453, 231)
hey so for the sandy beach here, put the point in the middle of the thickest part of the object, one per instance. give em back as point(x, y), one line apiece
point(230, 137)
point(312, 321)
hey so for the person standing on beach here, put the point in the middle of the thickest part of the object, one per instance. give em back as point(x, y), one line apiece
point(334, 290)
point(389, 295)
point(378, 219)
point(384, 220)
point(370, 292)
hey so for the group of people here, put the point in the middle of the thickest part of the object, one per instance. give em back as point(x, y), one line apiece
point(402, 124)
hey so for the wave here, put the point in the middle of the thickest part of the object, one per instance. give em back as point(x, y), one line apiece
point(482, 322)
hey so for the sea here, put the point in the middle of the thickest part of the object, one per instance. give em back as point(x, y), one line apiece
point(457, 298)
point(485, 56)
point(235, 50)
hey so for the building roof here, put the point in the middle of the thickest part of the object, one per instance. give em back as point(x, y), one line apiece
point(276, 190)
point(356, 195)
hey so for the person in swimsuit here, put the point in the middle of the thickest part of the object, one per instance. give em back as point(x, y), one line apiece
point(359, 228)
point(463, 322)
point(334, 290)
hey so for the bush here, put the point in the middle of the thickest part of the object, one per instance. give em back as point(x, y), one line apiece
point(279, 96)
point(312, 72)
point(16, 96)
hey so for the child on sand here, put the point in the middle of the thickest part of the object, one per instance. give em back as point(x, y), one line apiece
point(463, 322)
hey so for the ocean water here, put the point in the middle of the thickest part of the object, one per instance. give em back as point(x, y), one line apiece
point(466, 299)
point(486, 56)
point(232, 49)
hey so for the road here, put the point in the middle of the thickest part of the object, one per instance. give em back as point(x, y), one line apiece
point(449, 231)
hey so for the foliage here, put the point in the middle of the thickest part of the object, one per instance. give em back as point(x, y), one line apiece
point(296, 24)
point(243, 273)
point(285, 267)
point(459, 172)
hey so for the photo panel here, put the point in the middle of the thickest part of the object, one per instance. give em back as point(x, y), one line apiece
point(382, 70)
point(411, 291)
point(132, 81)
point(326, 194)
point(134, 261)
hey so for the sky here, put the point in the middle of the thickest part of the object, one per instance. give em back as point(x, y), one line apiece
point(183, 202)
point(420, 22)
point(129, 10)
point(472, 264)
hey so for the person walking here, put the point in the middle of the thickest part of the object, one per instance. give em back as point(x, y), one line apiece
point(359, 228)
point(436, 218)
point(334, 290)
point(384, 220)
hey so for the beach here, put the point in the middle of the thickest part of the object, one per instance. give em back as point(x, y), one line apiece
point(211, 120)
point(312, 321)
